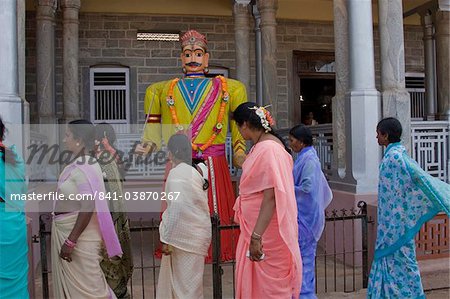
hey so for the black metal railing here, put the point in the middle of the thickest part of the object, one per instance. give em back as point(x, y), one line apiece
point(142, 229)
point(43, 241)
point(217, 263)
point(343, 246)
point(338, 223)
point(344, 243)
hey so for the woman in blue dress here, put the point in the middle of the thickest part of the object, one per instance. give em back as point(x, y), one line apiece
point(13, 234)
point(313, 195)
point(407, 198)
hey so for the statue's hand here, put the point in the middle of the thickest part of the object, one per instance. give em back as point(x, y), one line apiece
point(144, 148)
point(238, 159)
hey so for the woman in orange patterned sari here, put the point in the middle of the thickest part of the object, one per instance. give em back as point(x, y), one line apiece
point(268, 263)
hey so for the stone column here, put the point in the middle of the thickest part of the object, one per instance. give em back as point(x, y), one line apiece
point(10, 102)
point(268, 10)
point(442, 36)
point(21, 37)
point(258, 60)
point(430, 65)
point(45, 62)
point(71, 90)
point(362, 103)
point(342, 72)
point(242, 41)
point(395, 99)
point(21, 40)
point(21, 62)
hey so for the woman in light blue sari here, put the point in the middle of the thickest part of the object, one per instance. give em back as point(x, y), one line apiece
point(407, 198)
point(13, 230)
point(313, 195)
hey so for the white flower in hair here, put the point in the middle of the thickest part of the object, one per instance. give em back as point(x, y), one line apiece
point(264, 115)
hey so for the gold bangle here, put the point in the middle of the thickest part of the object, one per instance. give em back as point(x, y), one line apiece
point(256, 236)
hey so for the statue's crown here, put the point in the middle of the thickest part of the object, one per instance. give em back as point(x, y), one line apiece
point(192, 37)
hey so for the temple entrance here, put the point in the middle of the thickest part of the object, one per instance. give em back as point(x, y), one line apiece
point(316, 100)
point(314, 87)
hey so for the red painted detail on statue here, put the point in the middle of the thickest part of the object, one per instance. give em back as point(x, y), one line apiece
point(214, 150)
point(153, 118)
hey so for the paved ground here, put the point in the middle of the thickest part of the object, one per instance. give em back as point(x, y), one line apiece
point(435, 278)
point(435, 275)
point(438, 294)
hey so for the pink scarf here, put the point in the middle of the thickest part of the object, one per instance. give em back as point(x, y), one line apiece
point(101, 206)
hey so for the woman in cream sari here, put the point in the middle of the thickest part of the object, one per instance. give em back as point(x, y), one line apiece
point(81, 227)
point(185, 229)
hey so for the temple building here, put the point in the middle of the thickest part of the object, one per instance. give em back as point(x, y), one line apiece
point(345, 63)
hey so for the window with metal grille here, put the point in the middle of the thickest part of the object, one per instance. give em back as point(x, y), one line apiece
point(415, 85)
point(110, 95)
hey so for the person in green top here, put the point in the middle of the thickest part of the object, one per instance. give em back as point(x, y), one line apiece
point(13, 234)
point(117, 271)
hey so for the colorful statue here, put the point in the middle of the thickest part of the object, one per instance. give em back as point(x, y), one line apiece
point(201, 107)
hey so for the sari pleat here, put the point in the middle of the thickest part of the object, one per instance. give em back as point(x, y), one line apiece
point(13, 230)
point(83, 277)
point(267, 166)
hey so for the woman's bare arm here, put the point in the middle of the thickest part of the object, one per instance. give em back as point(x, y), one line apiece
point(265, 214)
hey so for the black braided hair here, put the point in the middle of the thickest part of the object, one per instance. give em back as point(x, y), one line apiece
point(302, 133)
point(8, 155)
point(107, 130)
point(180, 147)
point(392, 127)
point(83, 130)
point(245, 113)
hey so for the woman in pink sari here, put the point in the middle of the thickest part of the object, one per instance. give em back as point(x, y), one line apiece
point(268, 263)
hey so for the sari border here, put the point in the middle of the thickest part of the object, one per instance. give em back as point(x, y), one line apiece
point(424, 185)
point(409, 235)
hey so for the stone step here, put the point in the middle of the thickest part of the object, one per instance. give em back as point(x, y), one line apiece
point(435, 273)
point(362, 294)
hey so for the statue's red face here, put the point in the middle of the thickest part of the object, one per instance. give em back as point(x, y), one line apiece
point(194, 59)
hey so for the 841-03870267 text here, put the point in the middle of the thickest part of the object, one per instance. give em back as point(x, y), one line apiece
point(139, 195)
point(128, 195)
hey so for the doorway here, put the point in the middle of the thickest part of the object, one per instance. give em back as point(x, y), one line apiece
point(316, 95)
point(314, 87)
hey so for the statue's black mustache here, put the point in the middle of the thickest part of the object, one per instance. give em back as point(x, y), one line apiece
point(193, 63)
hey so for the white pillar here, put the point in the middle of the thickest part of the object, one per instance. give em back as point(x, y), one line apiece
point(71, 89)
point(342, 76)
point(396, 100)
point(430, 65)
point(442, 36)
point(21, 47)
point(45, 66)
point(242, 41)
point(268, 11)
point(21, 61)
point(10, 101)
point(362, 103)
